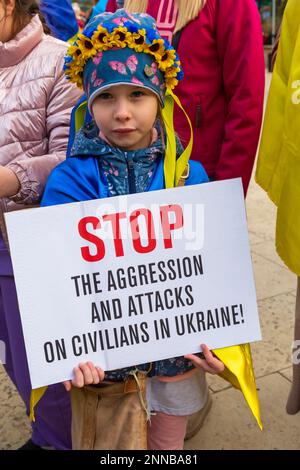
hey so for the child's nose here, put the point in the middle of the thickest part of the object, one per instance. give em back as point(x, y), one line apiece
point(122, 111)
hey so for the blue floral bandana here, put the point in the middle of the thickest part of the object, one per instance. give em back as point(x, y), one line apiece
point(122, 67)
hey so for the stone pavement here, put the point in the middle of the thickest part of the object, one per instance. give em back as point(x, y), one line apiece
point(230, 424)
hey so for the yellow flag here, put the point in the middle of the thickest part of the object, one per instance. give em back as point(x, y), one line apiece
point(278, 167)
point(35, 396)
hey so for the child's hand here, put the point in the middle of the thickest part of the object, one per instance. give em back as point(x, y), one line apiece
point(85, 374)
point(210, 364)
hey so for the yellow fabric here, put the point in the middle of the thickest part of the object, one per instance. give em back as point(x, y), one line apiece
point(170, 154)
point(35, 397)
point(173, 169)
point(73, 38)
point(278, 167)
point(185, 156)
point(237, 359)
point(80, 115)
point(239, 373)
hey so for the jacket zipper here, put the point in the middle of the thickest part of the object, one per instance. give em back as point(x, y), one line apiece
point(198, 116)
point(131, 177)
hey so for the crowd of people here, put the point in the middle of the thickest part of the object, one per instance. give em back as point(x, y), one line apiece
point(121, 61)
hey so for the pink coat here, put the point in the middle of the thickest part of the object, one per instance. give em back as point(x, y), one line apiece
point(222, 57)
point(35, 105)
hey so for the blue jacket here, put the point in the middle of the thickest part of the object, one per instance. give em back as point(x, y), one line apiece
point(100, 7)
point(81, 178)
point(60, 18)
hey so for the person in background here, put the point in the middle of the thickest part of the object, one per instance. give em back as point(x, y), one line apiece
point(99, 7)
point(278, 166)
point(221, 50)
point(276, 43)
point(220, 45)
point(60, 18)
point(35, 106)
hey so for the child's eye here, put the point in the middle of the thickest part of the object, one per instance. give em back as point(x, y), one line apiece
point(137, 94)
point(105, 96)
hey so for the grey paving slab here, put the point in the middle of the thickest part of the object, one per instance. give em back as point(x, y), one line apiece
point(270, 278)
point(14, 424)
point(216, 384)
point(261, 213)
point(273, 353)
point(254, 239)
point(287, 373)
point(267, 250)
point(264, 229)
point(231, 426)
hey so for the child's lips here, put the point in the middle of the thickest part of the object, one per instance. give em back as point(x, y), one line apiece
point(122, 130)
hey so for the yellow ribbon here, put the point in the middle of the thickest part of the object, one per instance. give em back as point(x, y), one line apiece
point(80, 115)
point(174, 168)
point(170, 154)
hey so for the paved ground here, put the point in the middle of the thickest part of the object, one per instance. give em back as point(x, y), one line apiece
point(230, 424)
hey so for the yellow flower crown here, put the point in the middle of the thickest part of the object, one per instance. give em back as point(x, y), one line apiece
point(89, 43)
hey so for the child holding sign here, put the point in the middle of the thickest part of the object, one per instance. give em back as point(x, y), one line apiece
point(128, 72)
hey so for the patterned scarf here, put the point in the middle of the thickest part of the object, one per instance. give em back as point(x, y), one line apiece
point(118, 165)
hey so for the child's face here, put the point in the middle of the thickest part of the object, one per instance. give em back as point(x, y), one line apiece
point(126, 115)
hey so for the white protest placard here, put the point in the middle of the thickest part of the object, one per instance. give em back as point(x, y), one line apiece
point(133, 279)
